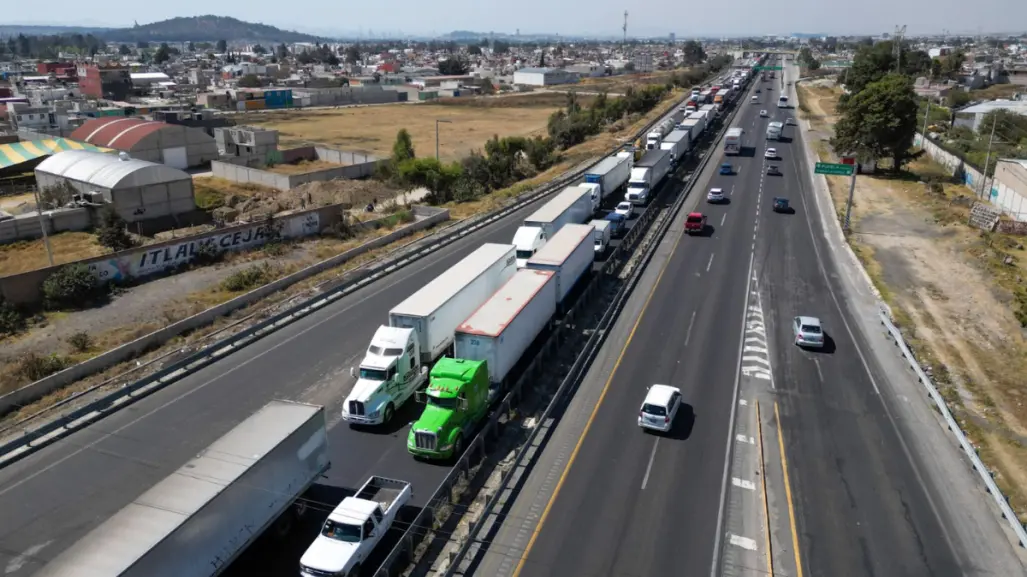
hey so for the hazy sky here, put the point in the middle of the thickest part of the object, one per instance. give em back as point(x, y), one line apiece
point(599, 17)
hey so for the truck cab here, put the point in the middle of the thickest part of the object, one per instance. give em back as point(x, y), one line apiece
point(528, 240)
point(354, 528)
point(596, 192)
point(457, 399)
point(389, 375)
point(653, 139)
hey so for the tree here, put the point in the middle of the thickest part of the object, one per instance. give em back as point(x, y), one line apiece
point(111, 230)
point(221, 46)
point(190, 47)
point(474, 50)
point(162, 55)
point(353, 54)
point(403, 148)
point(429, 173)
point(693, 53)
point(880, 122)
point(250, 81)
point(870, 64)
point(142, 45)
point(124, 50)
point(282, 51)
point(258, 49)
point(453, 66)
point(56, 196)
point(916, 63)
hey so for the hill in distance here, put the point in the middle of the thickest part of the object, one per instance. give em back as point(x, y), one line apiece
point(206, 29)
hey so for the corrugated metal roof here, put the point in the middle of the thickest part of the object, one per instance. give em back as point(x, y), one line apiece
point(117, 133)
point(108, 171)
point(21, 152)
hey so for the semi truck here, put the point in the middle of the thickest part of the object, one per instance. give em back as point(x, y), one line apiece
point(572, 206)
point(196, 521)
point(354, 528)
point(602, 236)
point(694, 128)
point(421, 330)
point(569, 254)
point(733, 141)
point(774, 130)
point(646, 175)
point(711, 110)
point(655, 136)
point(677, 143)
point(456, 400)
point(503, 328)
point(608, 176)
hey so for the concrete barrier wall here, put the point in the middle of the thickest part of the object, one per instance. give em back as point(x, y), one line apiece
point(26, 226)
point(244, 174)
point(957, 166)
point(141, 262)
point(251, 169)
point(39, 389)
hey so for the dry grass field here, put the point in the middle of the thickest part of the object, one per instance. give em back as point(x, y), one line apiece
point(471, 122)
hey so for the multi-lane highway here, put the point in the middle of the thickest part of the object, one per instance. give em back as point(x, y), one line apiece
point(622, 502)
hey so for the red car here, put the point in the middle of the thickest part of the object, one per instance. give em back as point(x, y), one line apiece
point(695, 223)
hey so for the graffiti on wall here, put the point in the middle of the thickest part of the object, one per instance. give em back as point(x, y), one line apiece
point(147, 261)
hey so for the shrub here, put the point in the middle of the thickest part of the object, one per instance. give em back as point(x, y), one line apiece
point(249, 278)
point(207, 253)
point(81, 342)
point(111, 231)
point(34, 367)
point(71, 286)
point(11, 320)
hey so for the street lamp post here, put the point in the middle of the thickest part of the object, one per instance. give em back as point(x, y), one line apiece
point(437, 121)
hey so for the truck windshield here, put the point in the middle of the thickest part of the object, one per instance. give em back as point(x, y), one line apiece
point(449, 403)
point(386, 352)
point(373, 374)
point(341, 531)
point(525, 254)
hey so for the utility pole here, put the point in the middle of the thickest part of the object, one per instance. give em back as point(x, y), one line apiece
point(987, 158)
point(923, 133)
point(852, 191)
point(899, 33)
point(42, 227)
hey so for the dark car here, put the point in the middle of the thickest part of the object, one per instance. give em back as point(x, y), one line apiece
point(773, 170)
point(781, 204)
point(726, 168)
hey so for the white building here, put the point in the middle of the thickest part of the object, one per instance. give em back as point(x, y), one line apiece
point(1009, 189)
point(971, 116)
point(543, 76)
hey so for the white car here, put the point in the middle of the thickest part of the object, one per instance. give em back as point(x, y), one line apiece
point(763, 113)
point(715, 195)
point(659, 408)
point(771, 153)
point(808, 332)
point(624, 209)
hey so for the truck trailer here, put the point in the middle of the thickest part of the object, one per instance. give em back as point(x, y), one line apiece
point(569, 254)
point(196, 521)
point(503, 328)
point(733, 141)
point(694, 128)
point(677, 143)
point(646, 175)
point(608, 177)
point(774, 130)
point(572, 206)
point(421, 330)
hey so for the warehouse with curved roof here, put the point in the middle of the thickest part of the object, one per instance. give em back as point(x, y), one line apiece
point(138, 189)
point(171, 144)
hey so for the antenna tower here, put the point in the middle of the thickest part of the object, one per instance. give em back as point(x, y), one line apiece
point(625, 27)
point(900, 31)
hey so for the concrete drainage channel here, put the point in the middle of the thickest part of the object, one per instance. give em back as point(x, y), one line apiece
point(33, 439)
point(483, 475)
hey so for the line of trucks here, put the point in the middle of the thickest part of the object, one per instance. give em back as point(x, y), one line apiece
point(454, 344)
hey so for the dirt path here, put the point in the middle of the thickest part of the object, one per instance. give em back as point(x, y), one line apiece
point(950, 292)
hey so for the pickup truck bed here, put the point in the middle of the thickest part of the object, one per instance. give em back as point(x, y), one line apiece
point(382, 490)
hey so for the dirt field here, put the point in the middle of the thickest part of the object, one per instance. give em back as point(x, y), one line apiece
point(29, 255)
point(618, 84)
point(373, 129)
point(952, 293)
point(302, 167)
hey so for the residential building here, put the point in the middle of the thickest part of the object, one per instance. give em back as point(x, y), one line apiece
point(543, 76)
point(643, 62)
point(1009, 188)
point(971, 116)
point(112, 82)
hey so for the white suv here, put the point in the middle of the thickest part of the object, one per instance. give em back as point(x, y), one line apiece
point(659, 408)
point(771, 153)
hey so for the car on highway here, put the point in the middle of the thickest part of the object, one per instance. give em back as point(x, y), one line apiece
point(771, 153)
point(624, 209)
point(715, 195)
point(781, 204)
point(808, 332)
point(757, 91)
point(790, 122)
point(726, 168)
point(763, 113)
point(773, 170)
point(659, 408)
point(695, 223)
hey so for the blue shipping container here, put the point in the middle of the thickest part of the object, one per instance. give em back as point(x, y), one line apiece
point(593, 178)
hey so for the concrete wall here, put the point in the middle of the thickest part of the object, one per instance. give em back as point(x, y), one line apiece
point(29, 393)
point(345, 95)
point(1010, 189)
point(26, 226)
point(956, 165)
point(250, 169)
point(141, 262)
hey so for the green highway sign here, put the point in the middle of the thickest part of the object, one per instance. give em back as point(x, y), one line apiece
point(833, 169)
point(758, 68)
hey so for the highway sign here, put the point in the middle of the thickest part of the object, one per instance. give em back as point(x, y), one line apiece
point(833, 169)
point(758, 68)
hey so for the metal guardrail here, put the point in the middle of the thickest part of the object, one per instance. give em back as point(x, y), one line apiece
point(48, 433)
point(989, 482)
point(421, 526)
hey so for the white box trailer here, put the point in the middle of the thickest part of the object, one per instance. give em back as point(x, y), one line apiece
point(572, 206)
point(569, 254)
point(610, 174)
point(603, 234)
point(196, 521)
point(677, 143)
point(440, 306)
point(700, 118)
point(504, 327)
point(694, 128)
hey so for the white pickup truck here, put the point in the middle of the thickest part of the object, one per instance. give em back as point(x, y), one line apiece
point(354, 528)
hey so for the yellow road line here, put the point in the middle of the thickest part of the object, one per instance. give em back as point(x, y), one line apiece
point(788, 494)
point(763, 478)
point(591, 418)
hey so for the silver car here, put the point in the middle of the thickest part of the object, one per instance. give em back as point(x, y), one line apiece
point(808, 332)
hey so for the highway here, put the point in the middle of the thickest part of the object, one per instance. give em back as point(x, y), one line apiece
point(55, 496)
point(635, 504)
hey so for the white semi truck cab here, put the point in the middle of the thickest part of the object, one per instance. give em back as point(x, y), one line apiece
point(390, 374)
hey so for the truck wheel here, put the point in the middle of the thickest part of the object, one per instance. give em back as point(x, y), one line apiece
point(458, 446)
point(388, 414)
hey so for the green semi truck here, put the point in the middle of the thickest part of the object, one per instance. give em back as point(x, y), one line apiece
point(456, 399)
